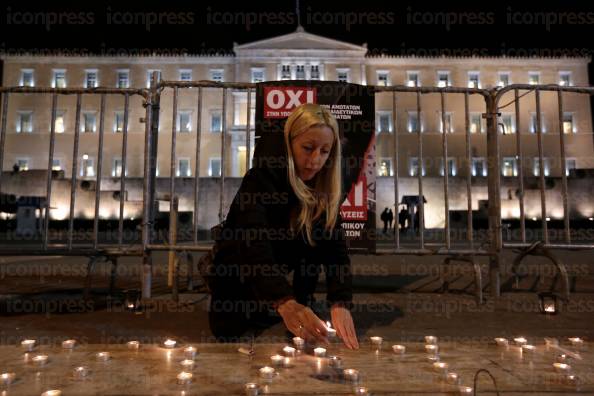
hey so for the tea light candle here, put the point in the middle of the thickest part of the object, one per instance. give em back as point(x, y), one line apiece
point(465, 390)
point(399, 349)
point(190, 352)
point(351, 375)
point(187, 364)
point(335, 361)
point(571, 379)
point(320, 352)
point(452, 378)
point(169, 343)
point(520, 341)
point(376, 341)
point(53, 392)
point(361, 391)
point(7, 378)
point(562, 367)
point(28, 345)
point(576, 341)
point(251, 389)
point(431, 349)
point(501, 342)
point(133, 344)
point(103, 356)
point(266, 372)
point(40, 360)
point(68, 344)
point(80, 372)
point(298, 342)
point(440, 367)
point(562, 358)
point(330, 330)
point(528, 349)
point(430, 340)
point(433, 358)
point(289, 351)
point(184, 378)
point(277, 360)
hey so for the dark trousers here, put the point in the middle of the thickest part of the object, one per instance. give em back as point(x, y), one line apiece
point(235, 315)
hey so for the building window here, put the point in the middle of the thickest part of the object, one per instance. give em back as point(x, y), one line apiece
point(443, 79)
point(383, 78)
point(533, 78)
point(216, 75)
point(116, 169)
point(506, 124)
point(257, 74)
point(476, 123)
point(546, 164)
point(24, 122)
point(534, 123)
point(27, 78)
point(214, 167)
point(59, 78)
point(570, 164)
point(509, 167)
point(123, 79)
point(568, 124)
point(412, 122)
point(449, 123)
point(216, 121)
point(413, 163)
point(149, 76)
point(91, 79)
point(315, 72)
point(342, 75)
point(412, 79)
point(185, 75)
point(184, 121)
point(60, 123)
point(300, 72)
point(22, 164)
point(285, 72)
point(384, 121)
point(451, 166)
point(479, 166)
point(503, 79)
point(87, 166)
point(56, 164)
point(89, 124)
point(474, 79)
point(385, 167)
point(565, 78)
point(183, 167)
point(118, 122)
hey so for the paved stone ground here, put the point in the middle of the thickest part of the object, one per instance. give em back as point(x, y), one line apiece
point(397, 298)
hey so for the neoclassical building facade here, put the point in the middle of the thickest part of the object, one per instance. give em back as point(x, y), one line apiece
point(296, 56)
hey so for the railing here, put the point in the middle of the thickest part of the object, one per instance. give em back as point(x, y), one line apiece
point(465, 249)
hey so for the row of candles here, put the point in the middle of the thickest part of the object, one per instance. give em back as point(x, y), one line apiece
point(267, 372)
point(560, 365)
point(81, 372)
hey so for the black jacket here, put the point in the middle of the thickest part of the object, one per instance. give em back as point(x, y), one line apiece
point(257, 250)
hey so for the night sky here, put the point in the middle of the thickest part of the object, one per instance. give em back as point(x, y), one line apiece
point(450, 28)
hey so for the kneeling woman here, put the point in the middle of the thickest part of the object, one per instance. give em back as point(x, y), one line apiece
point(285, 218)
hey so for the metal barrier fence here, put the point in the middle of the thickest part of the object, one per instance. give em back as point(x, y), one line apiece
point(465, 251)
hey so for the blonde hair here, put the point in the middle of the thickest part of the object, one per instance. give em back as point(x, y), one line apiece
point(324, 196)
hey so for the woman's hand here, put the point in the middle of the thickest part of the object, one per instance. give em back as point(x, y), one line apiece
point(303, 322)
point(342, 321)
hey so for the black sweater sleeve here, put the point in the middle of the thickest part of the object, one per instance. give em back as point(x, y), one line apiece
point(337, 266)
point(252, 210)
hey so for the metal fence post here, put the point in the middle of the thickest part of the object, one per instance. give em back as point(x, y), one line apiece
point(150, 175)
point(494, 193)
